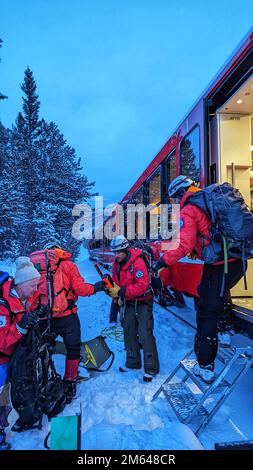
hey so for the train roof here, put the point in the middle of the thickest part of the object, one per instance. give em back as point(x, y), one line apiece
point(234, 59)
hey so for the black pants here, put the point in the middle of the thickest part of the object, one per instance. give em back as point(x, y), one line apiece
point(138, 325)
point(210, 307)
point(114, 310)
point(69, 329)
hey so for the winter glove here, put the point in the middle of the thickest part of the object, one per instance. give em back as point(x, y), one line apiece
point(99, 286)
point(29, 319)
point(114, 291)
point(157, 267)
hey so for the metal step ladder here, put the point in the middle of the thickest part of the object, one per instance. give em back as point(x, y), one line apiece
point(196, 402)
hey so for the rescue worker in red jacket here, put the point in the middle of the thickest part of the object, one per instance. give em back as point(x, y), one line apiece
point(194, 231)
point(15, 320)
point(131, 287)
point(65, 322)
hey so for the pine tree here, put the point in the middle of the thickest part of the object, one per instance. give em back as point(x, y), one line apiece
point(12, 192)
point(18, 154)
point(63, 186)
point(3, 147)
point(29, 130)
point(41, 181)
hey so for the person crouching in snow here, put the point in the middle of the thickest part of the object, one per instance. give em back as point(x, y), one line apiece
point(15, 320)
point(131, 286)
point(68, 285)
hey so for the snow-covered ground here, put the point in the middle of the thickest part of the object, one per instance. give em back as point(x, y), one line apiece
point(117, 408)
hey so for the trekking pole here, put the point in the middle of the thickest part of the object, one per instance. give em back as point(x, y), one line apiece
point(106, 278)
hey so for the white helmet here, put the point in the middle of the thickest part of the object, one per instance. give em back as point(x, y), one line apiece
point(178, 183)
point(119, 243)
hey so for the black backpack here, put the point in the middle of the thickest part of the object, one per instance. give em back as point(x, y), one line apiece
point(231, 233)
point(4, 276)
point(36, 388)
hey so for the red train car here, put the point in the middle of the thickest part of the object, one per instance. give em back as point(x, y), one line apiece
point(212, 144)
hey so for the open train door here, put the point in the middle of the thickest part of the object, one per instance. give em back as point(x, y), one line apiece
point(231, 150)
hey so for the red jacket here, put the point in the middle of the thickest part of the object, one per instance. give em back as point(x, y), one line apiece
point(133, 275)
point(192, 222)
point(72, 284)
point(9, 317)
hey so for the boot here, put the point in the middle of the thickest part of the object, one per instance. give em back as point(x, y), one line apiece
point(206, 373)
point(70, 390)
point(3, 444)
point(148, 377)
point(224, 338)
point(71, 369)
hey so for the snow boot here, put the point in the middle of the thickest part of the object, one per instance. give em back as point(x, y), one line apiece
point(70, 390)
point(224, 338)
point(3, 444)
point(20, 426)
point(147, 377)
point(206, 373)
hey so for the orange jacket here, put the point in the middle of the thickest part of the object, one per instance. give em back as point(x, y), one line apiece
point(68, 284)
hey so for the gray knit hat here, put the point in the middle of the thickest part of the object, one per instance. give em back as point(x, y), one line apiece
point(25, 270)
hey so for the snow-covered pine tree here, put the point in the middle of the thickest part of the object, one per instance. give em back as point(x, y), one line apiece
point(3, 146)
point(78, 190)
point(63, 186)
point(18, 153)
point(29, 132)
point(12, 193)
point(41, 182)
point(3, 158)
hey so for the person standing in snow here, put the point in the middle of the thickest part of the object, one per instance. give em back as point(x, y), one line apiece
point(64, 319)
point(15, 320)
point(194, 235)
point(131, 287)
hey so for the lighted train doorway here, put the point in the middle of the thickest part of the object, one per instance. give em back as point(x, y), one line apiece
point(234, 122)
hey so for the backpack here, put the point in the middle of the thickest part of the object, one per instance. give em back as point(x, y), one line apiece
point(147, 252)
point(231, 232)
point(4, 276)
point(51, 291)
point(36, 388)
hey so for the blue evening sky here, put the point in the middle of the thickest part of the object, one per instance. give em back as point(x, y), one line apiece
point(116, 75)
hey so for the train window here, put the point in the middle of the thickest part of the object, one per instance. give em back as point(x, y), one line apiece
point(170, 167)
point(139, 197)
point(154, 193)
point(170, 175)
point(154, 189)
point(190, 155)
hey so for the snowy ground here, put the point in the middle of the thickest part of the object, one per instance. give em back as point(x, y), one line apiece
point(117, 408)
